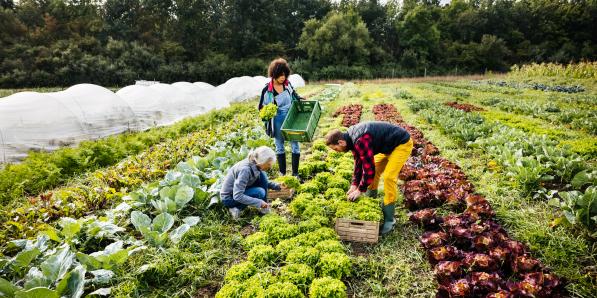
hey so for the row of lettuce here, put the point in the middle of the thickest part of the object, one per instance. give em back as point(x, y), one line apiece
point(536, 164)
point(572, 111)
point(303, 256)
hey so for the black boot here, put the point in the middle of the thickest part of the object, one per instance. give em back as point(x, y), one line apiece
point(282, 163)
point(295, 164)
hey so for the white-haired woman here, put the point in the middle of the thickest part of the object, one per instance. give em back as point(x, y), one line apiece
point(246, 183)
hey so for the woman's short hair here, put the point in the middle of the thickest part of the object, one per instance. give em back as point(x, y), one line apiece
point(277, 68)
point(262, 155)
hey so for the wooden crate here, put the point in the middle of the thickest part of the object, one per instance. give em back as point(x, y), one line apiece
point(357, 230)
point(284, 193)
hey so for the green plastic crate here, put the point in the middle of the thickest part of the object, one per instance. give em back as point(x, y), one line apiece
point(301, 121)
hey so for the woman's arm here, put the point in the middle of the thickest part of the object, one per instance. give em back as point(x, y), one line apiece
point(274, 185)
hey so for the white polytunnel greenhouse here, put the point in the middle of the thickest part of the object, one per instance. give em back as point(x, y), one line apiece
point(150, 107)
point(185, 104)
point(48, 121)
point(203, 85)
point(101, 112)
point(36, 121)
point(296, 80)
point(199, 94)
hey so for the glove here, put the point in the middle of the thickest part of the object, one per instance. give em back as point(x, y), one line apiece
point(276, 187)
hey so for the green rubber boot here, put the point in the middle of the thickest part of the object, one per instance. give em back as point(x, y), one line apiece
point(388, 218)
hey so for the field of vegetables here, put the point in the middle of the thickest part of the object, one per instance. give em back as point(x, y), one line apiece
point(498, 199)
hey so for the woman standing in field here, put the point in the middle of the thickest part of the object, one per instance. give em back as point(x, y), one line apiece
point(280, 92)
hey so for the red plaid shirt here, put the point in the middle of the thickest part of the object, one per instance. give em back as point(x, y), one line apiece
point(364, 163)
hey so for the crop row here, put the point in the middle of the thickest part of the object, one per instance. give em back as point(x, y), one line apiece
point(306, 258)
point(538, 86)
point(472, 254)
point(576, 118)
point(351, 114)
point(463, 106)
point(534, 163)
point(80, 256)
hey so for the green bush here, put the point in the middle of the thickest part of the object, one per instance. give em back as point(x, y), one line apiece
point(263, 255)
point(300, 203)
point(240, 272)
point(303, 255)
point(232, 289)
point(283, 231)
point(262, 279)
point(286, 246)
point(298, 274)
point(336, 264)
point(283, 290)
point(323, 177)
point(327, 287)
point(289, 181)
point(270, 221)
point(311, 187)
point(257, 238)
point(338, 182)
point(335, 194)
point(319, 145)
point(309, 225)
point(329, 246)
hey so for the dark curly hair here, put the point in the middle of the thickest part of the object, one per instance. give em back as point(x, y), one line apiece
point(277, 68)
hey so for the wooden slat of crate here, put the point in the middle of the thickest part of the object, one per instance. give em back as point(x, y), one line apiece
point(357, 230)
point(282, 194)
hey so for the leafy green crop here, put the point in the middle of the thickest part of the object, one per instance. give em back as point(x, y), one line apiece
point(283, 290)
point(268, 112)
point(579, 208)
point(262, 255)
point(311, 187)
point(299, 274)
point(303, 255)
point(240, 272)
point(257, 238)
point(329, 246)
point(327, 287)
point(335, 264)
point(289, 181)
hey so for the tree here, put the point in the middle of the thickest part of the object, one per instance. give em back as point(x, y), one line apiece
point(341, 38)
point(419, 34)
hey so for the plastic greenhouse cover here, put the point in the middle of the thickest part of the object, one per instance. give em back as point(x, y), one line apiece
point(35, 121)
point(198, 93)
point(185, 105)
point(48, 121)
point(99, 110)
point(150, 107)
point(203, 85)
point(296, 80)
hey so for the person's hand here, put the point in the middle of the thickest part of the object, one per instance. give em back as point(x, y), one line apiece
point(278, 187)
point(352, 189)
point(264, 205)
point(354, 195)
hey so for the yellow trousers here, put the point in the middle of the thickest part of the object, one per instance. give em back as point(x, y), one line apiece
point(390, 166)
